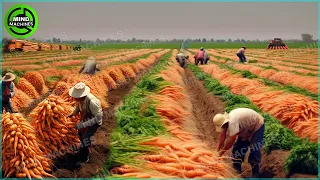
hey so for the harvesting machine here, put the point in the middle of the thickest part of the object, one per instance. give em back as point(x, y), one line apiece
point(277, 43)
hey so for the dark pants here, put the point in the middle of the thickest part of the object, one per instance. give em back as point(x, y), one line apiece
point(85, 136)
point(242, 58)
point(240, 149)
point(206, 60)
point(182, 62)
point(7, 106)
point(197, 60)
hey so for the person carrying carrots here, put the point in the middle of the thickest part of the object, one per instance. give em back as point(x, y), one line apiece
point(181, 59)
point(90, 118)
point(90, 66)
point(240, 54)
point(199, 57)
point(242, 128)
point(7, 92)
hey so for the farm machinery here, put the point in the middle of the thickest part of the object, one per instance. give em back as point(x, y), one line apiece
point(277, 43)
point(77, 48)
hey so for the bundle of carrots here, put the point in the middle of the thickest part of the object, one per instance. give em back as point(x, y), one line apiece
point(20, 100)
point(127, 70)
point(178, 160)
point(116, 74)
point(53, 128)
point(62, 89)
point(108, 80)
point(307, 129)
point(27, 88)
point(21, 153)
point(36, 79)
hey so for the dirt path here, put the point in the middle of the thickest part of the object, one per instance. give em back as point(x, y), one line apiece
point(100, 147)
point(204, 107)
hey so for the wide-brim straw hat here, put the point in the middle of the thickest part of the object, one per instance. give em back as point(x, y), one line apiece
point(219, 120)
point(8, 77)
point(79, 90)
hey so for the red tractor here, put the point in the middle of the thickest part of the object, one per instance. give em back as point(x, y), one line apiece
point(277, 43)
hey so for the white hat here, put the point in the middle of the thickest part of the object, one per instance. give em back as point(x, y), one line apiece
point(219, 120)
point(79, 90)
point(8, 77)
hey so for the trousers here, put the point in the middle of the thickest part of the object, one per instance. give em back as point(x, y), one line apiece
point(85, 136)
point(240, 149)
point(242, 58)
point(7, 106)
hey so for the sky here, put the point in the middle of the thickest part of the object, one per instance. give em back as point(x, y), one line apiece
point(89, 21)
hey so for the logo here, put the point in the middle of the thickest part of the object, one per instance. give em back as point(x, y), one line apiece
point(21, 21)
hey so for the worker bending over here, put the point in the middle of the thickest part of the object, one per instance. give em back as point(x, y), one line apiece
point(199, 57)
point(7, 92)
point(240, 54)
point(90, 66)
point(181, 59)
point(90, 118)
point(242, 128)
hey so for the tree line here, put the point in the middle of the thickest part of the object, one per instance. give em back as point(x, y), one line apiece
point(304, 38)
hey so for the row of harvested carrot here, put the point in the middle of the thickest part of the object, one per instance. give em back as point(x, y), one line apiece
point(265, 64)
point(309, 83)
point(32, 85)
point(276, 59)
point(107, 79)
point(178, 158)
point(289, 108)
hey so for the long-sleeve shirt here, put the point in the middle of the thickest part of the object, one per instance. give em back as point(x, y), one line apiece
point(7, 92)
point(90, 111)
point(199, 54)
point(89, 67)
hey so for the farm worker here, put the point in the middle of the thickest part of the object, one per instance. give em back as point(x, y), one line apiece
point(90, 66)
point(90, 118)
point(241, 55)
point(199, 56)
point(181, 58)
point(206, 57)
point(7, 92)
point(244, 128)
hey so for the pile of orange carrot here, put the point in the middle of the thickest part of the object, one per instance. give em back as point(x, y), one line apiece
point(53, 128)
point(178, 160)
point(21, 151)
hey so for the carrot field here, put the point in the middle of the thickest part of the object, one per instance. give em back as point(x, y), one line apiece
point(157, 116)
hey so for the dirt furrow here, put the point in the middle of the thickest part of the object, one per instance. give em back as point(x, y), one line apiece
point(100, 147)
